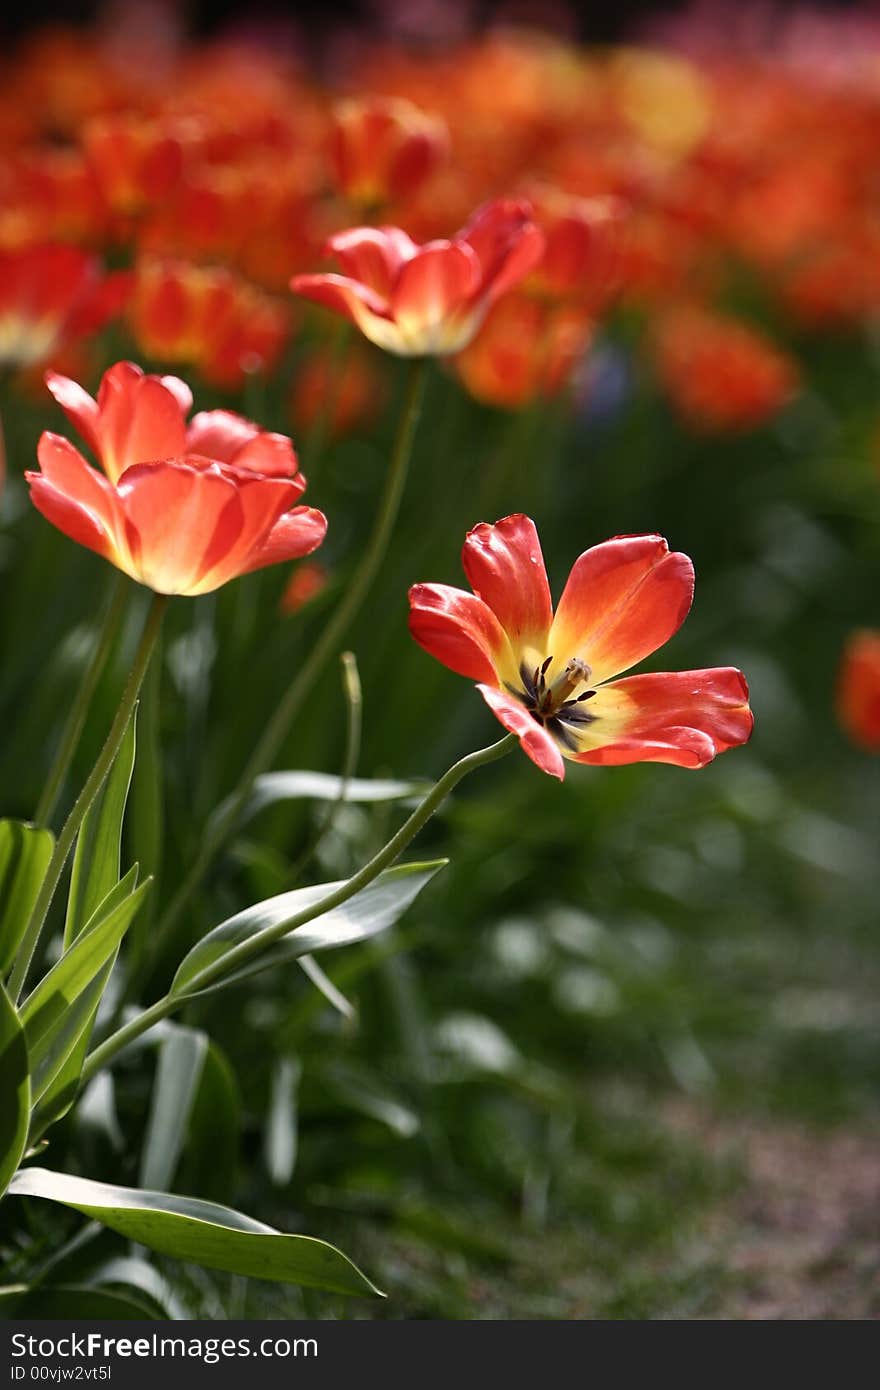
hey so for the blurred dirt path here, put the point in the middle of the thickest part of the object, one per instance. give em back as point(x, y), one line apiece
point(801, 1236)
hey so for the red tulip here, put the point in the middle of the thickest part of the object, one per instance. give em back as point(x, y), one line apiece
point(858, 689)
point(429, 300)
point(383, 148)
point(50, 296)
point(182, 508)
point(548, 678)
point(139, 419)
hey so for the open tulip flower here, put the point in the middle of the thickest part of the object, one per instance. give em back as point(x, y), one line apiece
point(430, 300)
point(549, 677)
point(181, 508)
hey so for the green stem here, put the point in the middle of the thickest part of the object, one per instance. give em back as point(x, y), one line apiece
point(79, 709)
point(328, 643)
point(93, 785)
point(246, 950)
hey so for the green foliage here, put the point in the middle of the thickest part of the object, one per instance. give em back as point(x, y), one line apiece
point(204, 1232)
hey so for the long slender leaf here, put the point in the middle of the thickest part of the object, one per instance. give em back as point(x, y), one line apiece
point(96, 862)
point(280, 1143)
point(25, 851)
point(178, 1074)
point(203, 1232)
point(272, 787)
point(53, 1016)
point(15, 1090)
point(369, 912)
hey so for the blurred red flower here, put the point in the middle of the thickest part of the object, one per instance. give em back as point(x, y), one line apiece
point(383, 148)
point(50, 297)
point(858, 689)
point(720, 373)
point(428, 300)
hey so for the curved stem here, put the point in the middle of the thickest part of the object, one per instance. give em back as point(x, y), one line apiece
point(79, 709)
point(93, 785)
point(246, 950)
point(327, 644)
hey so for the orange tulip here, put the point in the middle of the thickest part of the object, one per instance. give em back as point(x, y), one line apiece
point(208, 318)
point(182, 509)
point(550, 678)
point(858, 689)
point(306, 582)
point(526, 348)
point(138, 419)
point(384, 148)
point(720, 373)
point(138, 161)
point(51, 296)
point(583, 239)
point(344, 395)
point(429, 300)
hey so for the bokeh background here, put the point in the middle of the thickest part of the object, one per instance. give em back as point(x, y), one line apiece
point(622, 1058)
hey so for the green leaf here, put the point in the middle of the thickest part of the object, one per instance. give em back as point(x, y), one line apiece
point(322, 982)
point(210, 1235)
point(367, 913)
point(96, 863)
point(25, 851)
point(210, 1156)
point(178, 1074)
point(80, 1303)
point(281, 1122)
point(55, 1014)
point(272, 787)
point(15, 1090)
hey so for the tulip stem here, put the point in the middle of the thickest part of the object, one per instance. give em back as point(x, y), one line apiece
point(327, 644)
point(245, 951)
point(79, 709)
point(93, 785)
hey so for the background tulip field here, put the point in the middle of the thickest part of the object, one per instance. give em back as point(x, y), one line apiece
point(621, 1057)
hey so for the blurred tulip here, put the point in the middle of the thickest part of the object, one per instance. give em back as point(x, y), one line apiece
point(858, 689)
point(138, 161)
point(206, 317)
point(429, 300)
point(583, 238)
point(720, 373)
point(306, 583)
point(383, 148)
point(525, 349)
point(344, 393)
point(51, 296)
point(547, 677)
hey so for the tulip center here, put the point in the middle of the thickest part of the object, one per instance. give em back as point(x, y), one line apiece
point(556, 707)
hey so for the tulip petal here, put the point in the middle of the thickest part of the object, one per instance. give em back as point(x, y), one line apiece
point(80, 408)
point(622, 601)
point(373, 255)
point(536, 742)
point(225, 437)
point(505, 567)
point(69, 515)
point(460, 630)
point(141, 419)
point(507, 243)
point(366, 310)
point(296, 533)
point(431, 292)
point(181, 521)
point(681, 717)
point(67, 471)
point(263, 502)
